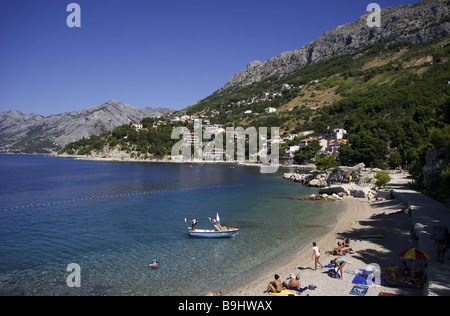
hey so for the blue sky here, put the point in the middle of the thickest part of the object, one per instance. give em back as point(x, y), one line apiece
point(148, 53)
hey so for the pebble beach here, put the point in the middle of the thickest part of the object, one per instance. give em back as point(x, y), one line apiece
point(360, 218)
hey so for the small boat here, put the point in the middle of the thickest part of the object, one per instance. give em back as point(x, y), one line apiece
point(219, 231)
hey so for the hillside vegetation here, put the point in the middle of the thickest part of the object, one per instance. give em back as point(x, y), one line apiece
point(390, 98)
point(393, 99)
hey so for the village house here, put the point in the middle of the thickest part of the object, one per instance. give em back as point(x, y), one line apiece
point(339, 133)
point(292, 149)
point(191, 138)
point(137, 126)
point(307, 141)
point(159, 123)
point(215, 154)
point(289, 137)
point(270, 110)
point(333, 147)
point(208, 131)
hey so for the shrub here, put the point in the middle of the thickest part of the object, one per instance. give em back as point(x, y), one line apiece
point(382, 178)
point(326, 163)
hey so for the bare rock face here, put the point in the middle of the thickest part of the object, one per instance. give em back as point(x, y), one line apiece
point(416, 24)
point(32, 133)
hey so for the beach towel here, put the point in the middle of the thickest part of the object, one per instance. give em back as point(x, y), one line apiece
point(362, 280)
point(284, 293)
point(359, 290)
point(303, 289)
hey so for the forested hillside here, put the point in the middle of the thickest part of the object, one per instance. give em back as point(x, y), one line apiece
point(389, 88)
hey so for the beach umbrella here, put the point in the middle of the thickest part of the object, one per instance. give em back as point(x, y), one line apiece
point(414, 254)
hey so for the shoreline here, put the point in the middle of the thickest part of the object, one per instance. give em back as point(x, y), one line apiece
point(134, 160)
point(303, 259)
point(355, 221)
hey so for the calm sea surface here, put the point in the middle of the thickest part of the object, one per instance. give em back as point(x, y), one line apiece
point(113, 218)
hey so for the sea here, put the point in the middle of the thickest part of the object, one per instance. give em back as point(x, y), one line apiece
point(109, 220)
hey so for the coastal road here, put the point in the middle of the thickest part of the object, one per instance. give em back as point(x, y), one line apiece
point(426, 213)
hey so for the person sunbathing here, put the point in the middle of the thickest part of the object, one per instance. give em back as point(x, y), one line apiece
point(346, 242)
point(348, 251)
point(336, 251)
point(401, 275)
point(293, 283)
point(275, 286)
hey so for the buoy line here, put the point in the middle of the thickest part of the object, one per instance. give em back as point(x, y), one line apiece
point(94, 197)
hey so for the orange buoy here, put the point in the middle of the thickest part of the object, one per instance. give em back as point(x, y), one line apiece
point(31, 205)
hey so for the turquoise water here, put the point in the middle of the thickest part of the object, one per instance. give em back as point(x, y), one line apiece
point(113, 218)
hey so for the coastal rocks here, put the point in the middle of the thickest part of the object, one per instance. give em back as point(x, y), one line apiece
point(347, 190)
point(325, 197)
point(334, 185)
point(334, 190)
point(356, 175)
point(314, 179)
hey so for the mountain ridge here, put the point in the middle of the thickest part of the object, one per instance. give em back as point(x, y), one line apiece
point(34, 133)
point(424, 22)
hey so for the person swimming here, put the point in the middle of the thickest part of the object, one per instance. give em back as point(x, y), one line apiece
point(154, 264)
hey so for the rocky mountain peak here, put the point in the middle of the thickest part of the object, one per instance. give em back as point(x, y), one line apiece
point(35, 133)
point(421, 23)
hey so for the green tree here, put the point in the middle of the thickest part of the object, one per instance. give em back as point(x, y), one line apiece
point(395, 159)
point(346, 155)
point(308, 152)
point(446, 179)
point(382, 178)
point(326, 163)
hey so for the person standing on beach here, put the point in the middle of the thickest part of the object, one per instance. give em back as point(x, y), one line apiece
point(316, 255)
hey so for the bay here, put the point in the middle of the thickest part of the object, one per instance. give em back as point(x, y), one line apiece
point(113, 218)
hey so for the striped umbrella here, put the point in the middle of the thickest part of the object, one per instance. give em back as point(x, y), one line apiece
point(414, 254)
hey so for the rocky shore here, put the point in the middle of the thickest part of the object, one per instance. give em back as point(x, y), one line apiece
point(334, 185)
